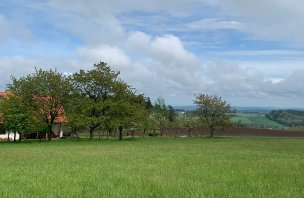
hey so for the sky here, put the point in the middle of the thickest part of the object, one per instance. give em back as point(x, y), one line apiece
point(251, 53)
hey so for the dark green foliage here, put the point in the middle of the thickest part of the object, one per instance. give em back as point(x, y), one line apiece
point(153, 133)
point(148, 103)
point(162, 116)
point(91, 98)
point(171, 114)
point(15, 116)
point(2, 128)
point(128, 112)
point(101, 100)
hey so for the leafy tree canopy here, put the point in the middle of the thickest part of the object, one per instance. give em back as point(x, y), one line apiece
point(213, 112)
point(42, 92)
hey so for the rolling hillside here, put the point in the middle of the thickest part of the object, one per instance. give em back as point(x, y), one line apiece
point(256, 120)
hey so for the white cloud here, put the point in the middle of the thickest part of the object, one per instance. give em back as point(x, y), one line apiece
point(158, 62)
point(16, 66)
point(232, 80)
point(214, 24)
point(167, 49)
point(174, 67)
point(275, 20)
point(19, 66)
point(292, 86)
point(278, 68)
point(259, 53)
point(276, 80)
point(105, 29)
point(113, 55)
point(139, 41)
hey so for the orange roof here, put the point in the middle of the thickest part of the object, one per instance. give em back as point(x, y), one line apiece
point(3, 93)
point(58, 119)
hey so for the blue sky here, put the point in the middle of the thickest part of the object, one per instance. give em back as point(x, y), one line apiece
point(249, 52)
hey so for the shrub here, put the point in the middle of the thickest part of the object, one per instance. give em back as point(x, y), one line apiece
point(153, 133)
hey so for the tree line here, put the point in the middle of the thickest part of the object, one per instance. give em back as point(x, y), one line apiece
point(98, 99)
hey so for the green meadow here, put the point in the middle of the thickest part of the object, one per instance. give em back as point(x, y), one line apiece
point(154, 167)
point(256, 120)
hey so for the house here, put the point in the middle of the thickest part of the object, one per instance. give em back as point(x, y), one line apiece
point(4, 135)
point(57, 128)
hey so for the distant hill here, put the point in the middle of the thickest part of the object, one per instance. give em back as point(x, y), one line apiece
point(238, 109)
point(255, 120)
point(263, 117)
point(290, 118)
point(185, 107)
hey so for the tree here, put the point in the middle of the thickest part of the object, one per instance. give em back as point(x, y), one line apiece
point(75, 114)
point(92, 90)
point(213, 111)
point(188, 122)
point(171, 113)
point(145, 119)
point(128, 110)
point(16, 117)
point(148, 103)
point(159, 115)
point(42, 92)
point(102, 99)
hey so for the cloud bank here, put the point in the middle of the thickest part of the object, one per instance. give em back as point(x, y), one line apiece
point(241, 50)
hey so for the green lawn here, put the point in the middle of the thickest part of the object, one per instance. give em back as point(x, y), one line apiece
point(154, 167)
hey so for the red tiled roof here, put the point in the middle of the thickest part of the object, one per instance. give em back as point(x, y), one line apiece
point(3, 93)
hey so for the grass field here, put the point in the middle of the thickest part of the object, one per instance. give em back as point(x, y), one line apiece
point(256, 120)
point(154, 167)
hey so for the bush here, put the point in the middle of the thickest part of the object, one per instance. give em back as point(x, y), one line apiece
point(153, 133)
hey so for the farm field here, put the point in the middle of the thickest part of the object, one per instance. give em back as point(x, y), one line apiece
point(154, 167)
point(256, 120)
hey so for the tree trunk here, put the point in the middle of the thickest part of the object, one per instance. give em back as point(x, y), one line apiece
point(189, 132)
point(91, 133)
point(75, 132)
point(211, 132)
point(19, 137)
point(120, 132)
point(144, 133)
point(50, 132)
point(99, 135)
point(8, 138)
point(40, 137)
point(14, 136)
point(77, 135)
